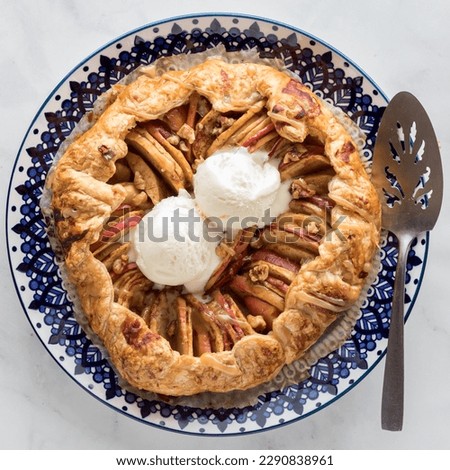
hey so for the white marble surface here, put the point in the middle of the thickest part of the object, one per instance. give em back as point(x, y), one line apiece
point(402, 45)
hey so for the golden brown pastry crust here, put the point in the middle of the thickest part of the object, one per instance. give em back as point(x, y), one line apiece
point(82, 200)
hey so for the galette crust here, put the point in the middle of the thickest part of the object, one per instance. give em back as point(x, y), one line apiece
point(82, 200)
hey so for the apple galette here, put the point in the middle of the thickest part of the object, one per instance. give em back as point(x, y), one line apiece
point(239, 148)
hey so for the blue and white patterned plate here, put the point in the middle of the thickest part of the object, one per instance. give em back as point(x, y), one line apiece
point(44, 299)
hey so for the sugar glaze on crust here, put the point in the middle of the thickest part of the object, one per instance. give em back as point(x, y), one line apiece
point(328, 280)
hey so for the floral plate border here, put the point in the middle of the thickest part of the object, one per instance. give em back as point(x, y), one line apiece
point(44, 299)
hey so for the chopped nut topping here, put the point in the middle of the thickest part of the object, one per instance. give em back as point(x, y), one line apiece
point(299, 189)
point(256, 322)
point(313, 228)
point(222, 124)
point(183, 147)
point(119, 265)
point(186, 132)
point(139, 199)
point(291, 156)
point(173, 139)
point(259, 272)
point(224, 249)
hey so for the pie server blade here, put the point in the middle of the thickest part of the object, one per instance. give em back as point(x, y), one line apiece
point(407, 172)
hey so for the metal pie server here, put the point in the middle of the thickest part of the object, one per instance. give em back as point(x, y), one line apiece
point(407, 171)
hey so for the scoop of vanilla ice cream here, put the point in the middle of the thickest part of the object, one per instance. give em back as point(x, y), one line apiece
point(170, 246)
point(239, 188)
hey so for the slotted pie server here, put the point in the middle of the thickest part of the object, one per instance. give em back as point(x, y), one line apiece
point(407, 171)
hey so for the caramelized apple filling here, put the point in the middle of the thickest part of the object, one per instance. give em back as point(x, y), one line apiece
point(247, 291)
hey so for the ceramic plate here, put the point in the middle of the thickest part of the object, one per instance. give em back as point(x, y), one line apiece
point(326, 71)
